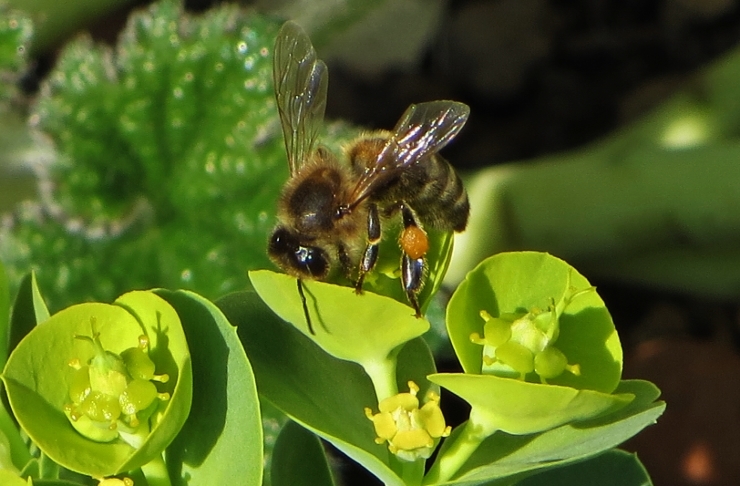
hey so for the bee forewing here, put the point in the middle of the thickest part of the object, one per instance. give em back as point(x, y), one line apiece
point(301, 81)
point(422, 130)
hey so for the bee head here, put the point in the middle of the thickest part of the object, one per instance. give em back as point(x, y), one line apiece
point(289, 253)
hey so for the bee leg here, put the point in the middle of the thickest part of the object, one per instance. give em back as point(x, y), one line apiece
point(414, 245)
point(370, 256)
point(412, 274)
point(305, 306)
point(345, 262)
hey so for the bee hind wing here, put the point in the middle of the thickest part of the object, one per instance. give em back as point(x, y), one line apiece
point(301, 81)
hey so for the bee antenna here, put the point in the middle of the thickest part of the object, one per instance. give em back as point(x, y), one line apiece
point(305, 306)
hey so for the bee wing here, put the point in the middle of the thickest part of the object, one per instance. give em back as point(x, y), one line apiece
point(300, 81)
point(422, 130)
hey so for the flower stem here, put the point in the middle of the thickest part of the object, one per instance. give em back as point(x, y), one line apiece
point(452, 458)
point(383, 375)
point(410, 472)
point(155, 472)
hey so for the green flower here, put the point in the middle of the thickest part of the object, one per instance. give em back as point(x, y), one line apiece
point(112, 389)
point(516, 344)
point(539, 314)
point(411, 432)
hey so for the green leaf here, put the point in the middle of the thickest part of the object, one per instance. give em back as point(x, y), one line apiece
point(14, 453)
point(4, 315)
point(520, 281)
point(613, 468)
point(505, 456)
point(299, 459)
point(222, 438)
point(360, 328)
point(29, 310)
point(324, 394)
point(8, 478)
point(36, 377)
point(169, 346)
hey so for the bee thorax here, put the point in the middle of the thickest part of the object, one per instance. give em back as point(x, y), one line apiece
point(311, 204)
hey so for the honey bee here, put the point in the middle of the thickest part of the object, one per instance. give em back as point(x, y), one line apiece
point(331, 213)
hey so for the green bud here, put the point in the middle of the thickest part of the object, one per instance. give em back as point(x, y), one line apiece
point(496, 330)
point(517, 356)
point(549, 363)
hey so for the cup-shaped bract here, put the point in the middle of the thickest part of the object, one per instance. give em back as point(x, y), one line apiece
point(536, 342)
point(42, 386)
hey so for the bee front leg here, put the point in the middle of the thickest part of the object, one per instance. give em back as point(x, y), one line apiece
point(345, 262)
point(414, 245)
point(370, 256)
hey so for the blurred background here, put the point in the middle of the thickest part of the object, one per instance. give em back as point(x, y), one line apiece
point(603, 131)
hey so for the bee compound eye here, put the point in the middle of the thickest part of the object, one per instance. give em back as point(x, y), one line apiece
point(286, 250)
point(281, 242)
point(312, 260)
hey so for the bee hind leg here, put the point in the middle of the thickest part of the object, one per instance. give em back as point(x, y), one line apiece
point(412, 275)
point(414, 245)
point(370, 255)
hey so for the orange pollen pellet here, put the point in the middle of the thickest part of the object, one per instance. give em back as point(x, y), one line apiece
point(414, 242)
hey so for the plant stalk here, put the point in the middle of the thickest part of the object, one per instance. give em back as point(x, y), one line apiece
point(382, 373)
point(155, 472)
point(452, 457)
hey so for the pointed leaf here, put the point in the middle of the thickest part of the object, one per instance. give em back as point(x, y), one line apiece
point(299, 459)
point(13, 449)
point(29, 310)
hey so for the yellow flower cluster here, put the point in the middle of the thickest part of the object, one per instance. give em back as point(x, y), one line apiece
point(411, 432)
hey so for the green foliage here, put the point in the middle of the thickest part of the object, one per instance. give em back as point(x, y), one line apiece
point(169, 160)
point(305, 382)
point(15, 34)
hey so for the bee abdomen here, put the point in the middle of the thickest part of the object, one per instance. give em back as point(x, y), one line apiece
point(436, 193)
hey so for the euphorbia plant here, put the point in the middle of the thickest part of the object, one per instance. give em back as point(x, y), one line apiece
point(107, 390)
point(540, 356)
point(541, 360)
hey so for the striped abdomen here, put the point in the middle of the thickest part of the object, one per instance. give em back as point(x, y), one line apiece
point(435, 192)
